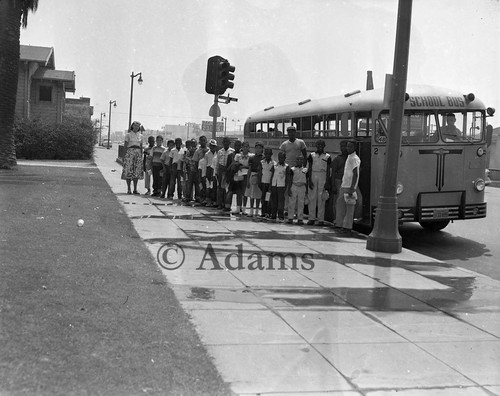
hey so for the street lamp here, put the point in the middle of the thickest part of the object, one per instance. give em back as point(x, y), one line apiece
point(111, 102)
point(132, 76)
point(100, 128)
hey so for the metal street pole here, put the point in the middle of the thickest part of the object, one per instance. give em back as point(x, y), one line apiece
point(109, 120)
point(132, 76)
point(385, 236)
point(100, 129)
point(214, 117)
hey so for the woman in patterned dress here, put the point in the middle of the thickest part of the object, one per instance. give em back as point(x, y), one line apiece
point(132, 163)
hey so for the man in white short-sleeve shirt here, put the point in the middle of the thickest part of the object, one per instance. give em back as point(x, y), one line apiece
point(347, 196)
point(293, 147)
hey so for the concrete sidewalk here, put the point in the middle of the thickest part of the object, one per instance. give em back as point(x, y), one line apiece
point(335, 318)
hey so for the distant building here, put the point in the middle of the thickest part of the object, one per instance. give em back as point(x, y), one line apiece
point(188, 131)
point(41, 89)
point(78, 108)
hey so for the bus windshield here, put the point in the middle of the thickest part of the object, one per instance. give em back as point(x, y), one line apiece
point(417, 127)
point(422, 127)
point(459, 127)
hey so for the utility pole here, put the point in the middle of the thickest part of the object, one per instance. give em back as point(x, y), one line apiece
point(385, 236)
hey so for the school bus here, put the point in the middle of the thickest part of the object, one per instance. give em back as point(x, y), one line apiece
point(440, 175)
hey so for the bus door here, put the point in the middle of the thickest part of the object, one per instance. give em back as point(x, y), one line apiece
point(363, 134)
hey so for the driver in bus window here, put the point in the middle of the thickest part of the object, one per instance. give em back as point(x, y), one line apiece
point(450, 131)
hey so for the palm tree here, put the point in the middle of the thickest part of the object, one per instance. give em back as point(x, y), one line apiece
point(13, 15)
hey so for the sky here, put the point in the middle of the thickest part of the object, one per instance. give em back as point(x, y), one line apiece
point(284, 51)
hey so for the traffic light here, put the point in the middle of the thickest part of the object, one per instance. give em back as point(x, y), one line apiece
point(219, 75)
point(212, 72)
point(225, 76)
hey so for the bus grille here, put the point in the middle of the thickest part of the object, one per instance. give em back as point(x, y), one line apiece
point(440, 213)
point(473, 211)
point(451, 212)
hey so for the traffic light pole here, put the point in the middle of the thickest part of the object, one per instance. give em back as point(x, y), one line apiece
point(219, 78)
point(214, 117)
point(385, 236)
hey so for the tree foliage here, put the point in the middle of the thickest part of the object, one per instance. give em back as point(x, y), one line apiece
point(74, 139)
point(13, 15)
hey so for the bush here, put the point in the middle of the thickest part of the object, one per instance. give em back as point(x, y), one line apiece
point(74, 139)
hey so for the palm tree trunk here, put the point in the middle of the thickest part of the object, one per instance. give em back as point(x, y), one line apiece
point(10, 30)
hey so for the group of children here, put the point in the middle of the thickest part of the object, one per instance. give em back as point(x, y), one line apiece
point(202, 174)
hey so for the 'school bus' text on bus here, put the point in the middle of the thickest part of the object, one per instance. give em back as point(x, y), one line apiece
point(441, 173)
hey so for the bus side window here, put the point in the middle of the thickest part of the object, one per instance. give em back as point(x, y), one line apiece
point(297, 122)
point(273, 129)
point(265, 130)
point(318, 126)
point(288, 123)
point(251, 129)
point(364, 127)
point(331, 129)
point(306, 127)
point(345, 125)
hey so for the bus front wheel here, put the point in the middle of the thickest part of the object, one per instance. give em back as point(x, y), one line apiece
point(434, 225)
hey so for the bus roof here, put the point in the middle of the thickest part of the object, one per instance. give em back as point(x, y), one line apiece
point(421, 97)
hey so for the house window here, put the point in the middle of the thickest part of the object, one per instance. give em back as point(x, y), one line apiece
point(45, 93)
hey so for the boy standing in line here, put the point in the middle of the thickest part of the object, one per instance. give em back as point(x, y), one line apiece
point(190, 171)
point(202, 177)
point(176, 155)
point(240, 178)
point(147, 165)
point(232, 169)
point(222, 164)
point(156, 153)
point(319, 181)
point(165, 162)
point(279, 182)
point(265, 176)
point(211, 158)
point(297, 186)
point(253, 190)
point(336, 174)
point(347, 195)
point(197, 156)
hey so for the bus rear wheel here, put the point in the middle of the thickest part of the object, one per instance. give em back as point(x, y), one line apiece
point(434, 225)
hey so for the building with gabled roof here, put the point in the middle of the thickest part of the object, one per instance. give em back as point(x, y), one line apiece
point(41, 89)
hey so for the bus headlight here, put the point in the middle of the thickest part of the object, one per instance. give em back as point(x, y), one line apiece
point(479, 184)
point(399, 189)
point(480, 152)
